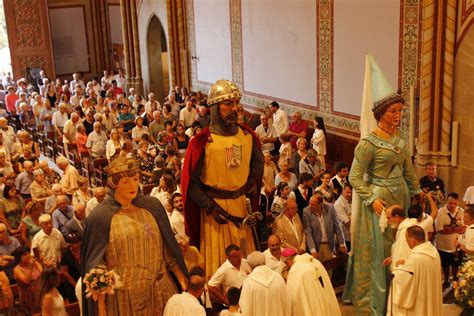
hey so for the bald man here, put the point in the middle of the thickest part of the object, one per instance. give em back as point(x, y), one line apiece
point(63, 213)
point(187, 303)
point(99, 196)
point(97, 141)
point(273, 254)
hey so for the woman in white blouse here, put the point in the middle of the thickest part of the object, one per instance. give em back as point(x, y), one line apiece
point(114, 145)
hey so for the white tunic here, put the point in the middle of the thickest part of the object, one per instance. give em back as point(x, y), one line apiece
point(310, 289)
point(416, 285)
point(264, 293)
point(400, 249)
point(183, 304)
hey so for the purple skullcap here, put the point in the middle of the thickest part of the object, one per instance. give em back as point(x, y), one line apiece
point(288, 252)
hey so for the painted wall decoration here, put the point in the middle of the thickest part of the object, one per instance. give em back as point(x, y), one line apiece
point(323, 19)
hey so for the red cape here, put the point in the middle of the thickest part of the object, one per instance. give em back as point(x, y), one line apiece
point(192, 215)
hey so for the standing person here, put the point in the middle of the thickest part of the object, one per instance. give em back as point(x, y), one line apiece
point(264, 290)
point(309, 288)
point(288, 227)
point(320, 225)
point(449, 225)
point(297, 128)
point(27, 273)
point(432, 183)
point(130, 234)
point(416, 286)
point(340, 179)
point(343, 207)
point(384, 156)
point(52, 303)
point(224, 150)
point(280, 119)
point(319, 140)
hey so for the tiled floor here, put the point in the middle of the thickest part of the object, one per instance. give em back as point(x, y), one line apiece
point(448, 310)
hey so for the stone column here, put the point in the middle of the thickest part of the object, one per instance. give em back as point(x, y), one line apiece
point(437, 68)
point(133, 71)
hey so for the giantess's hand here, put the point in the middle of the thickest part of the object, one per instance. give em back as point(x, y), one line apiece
point(378, 206)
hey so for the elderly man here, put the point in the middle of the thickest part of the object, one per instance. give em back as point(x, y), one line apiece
point(50, 204)
point(264, 290)
point(50, 176)
point(297, 128)
point(60, 118)
point(8, 134)
point(69, 130)
point(187, 303)
point(70, 176)
point(63, 214)
point(416, 286)
point(203, 117)
point(8, 244)
point(320, 225)
point(273, 254)
point(24, 180)
point(156, 126)
point(266, 134)
point(109, 120)
point(311, 164)
point(232, 273)
point(152, 105)
point(99, 196)
point(76, 223)
point(187, 115)
point(48, 244)
point(97, 141)
point(224, 150)
point(287, 226)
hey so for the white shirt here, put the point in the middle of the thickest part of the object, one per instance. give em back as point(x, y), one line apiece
point(228, 276)
point(427, 224)
point(49, 246)
point(344, 210)
point(69, 132)
point(447, 242)
point(58, 119)
point(187, 116)
point(183, 304)
point(69, 180)
point(280, 122)
point(97, 143)
point(268, 133)
point(109, 122)
point(177, 222)
point(91, 204)
point(272, 262)
point(137, 132)
point(467, 239)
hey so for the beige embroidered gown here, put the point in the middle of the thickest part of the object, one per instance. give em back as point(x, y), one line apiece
point(137, 253)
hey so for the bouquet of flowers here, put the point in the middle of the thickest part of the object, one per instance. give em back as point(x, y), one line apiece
point(464, 288)
point(100, 282)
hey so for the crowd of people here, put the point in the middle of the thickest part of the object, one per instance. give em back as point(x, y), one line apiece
point(305, 201)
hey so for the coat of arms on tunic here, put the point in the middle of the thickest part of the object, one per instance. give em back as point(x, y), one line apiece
point(233, 156)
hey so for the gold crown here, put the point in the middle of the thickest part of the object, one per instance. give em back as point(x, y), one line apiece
point(223, 90)
point(122, 164)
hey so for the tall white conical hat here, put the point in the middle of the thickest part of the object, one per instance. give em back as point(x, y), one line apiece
point(381, 89)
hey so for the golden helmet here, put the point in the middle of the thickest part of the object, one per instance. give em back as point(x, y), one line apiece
point(223, 90)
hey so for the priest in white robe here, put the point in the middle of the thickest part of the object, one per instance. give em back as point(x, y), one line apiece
point(264, 290)
point(416, 286)
point(309, 288)
point(396, 218)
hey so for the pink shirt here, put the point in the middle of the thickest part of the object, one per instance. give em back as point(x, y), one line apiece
point(298, 127)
